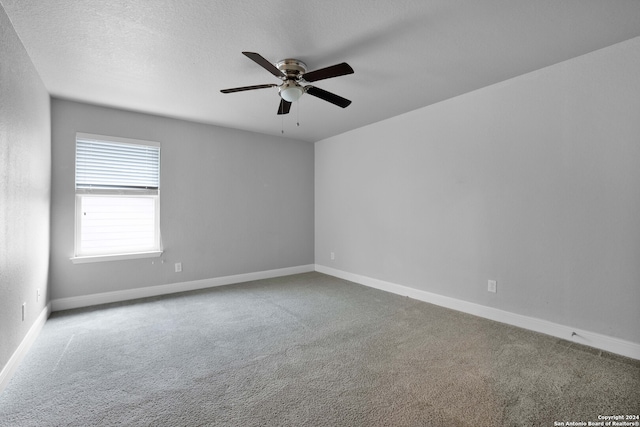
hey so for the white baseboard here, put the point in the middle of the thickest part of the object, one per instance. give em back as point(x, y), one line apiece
point(17, 356)
point(592, 339)
point(152, 291)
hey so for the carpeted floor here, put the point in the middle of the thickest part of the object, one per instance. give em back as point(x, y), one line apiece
point(306, 350)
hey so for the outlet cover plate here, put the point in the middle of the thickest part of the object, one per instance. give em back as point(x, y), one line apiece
point(492, 286)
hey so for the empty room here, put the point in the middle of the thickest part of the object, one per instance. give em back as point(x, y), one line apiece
point(337, 213)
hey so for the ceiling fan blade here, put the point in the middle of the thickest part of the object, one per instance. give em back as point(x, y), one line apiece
point(258, 59)
point(284, 107)
point(243, 88)
point(328, 72)
point(327, 96)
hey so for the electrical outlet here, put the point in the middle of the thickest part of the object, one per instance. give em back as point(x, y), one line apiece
point(492, 286)
point(333, 255)
point(24, 310)
point(178, 267)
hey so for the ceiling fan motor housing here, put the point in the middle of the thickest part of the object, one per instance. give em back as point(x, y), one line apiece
point(292, 68)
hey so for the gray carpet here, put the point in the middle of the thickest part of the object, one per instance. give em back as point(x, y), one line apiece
point(306, 350)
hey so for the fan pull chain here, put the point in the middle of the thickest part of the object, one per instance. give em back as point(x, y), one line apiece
point(282, 125)
point(298, 114)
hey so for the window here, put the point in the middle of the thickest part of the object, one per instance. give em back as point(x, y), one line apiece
point(117, 198)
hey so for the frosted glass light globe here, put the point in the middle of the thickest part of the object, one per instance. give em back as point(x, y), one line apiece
point(291, 93)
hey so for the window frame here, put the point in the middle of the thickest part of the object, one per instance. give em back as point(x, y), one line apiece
point(98, 192)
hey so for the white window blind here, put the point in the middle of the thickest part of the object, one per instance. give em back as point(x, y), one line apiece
point(114, 165)
point(117, 196)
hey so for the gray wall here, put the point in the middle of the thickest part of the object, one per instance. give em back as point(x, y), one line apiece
point(534, 182)
point(25, 178)
point(232, 201)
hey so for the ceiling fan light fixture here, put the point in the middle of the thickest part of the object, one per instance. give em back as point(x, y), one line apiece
point(291, 91)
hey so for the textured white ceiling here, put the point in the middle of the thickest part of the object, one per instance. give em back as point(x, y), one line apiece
point(173, 57)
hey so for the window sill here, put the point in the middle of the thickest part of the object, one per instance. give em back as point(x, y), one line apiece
point(118, 257)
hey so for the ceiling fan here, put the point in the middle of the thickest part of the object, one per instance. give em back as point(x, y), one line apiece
point(293, 73)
